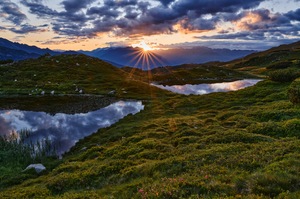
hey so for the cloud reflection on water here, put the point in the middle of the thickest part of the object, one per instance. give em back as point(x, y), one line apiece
point(201, 89)
point(65, 130)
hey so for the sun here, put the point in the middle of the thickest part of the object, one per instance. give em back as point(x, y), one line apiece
point(143, 45)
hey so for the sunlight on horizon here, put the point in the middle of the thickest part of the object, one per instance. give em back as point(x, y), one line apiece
point(146, 47)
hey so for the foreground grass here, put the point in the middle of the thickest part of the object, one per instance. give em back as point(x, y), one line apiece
point(242, 144)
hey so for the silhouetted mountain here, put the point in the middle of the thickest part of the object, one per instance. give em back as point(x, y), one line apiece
point(127, 56)
point(30, 49)
point(198, 55)
point(13, 54)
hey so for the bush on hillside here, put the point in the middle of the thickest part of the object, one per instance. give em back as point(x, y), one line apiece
point(284, 75)
point(280, 65)
point(294, 92)
point(8, 61)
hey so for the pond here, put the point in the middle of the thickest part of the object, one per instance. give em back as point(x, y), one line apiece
point(201, 89)
point(64, 130)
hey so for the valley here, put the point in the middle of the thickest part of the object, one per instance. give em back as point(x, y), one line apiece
point(238, 144)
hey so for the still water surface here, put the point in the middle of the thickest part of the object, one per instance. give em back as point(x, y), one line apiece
point(201, 89)
point(64, 130)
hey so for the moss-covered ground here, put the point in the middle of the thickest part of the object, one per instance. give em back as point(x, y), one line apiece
point(242, 144)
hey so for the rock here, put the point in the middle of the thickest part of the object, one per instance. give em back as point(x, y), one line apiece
point(43, 93)
point(84, 149)
point(37, 167)
point(52, 92)
point(112, 92)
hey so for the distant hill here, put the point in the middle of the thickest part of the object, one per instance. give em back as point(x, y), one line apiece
point(13, 54)
point(281, 57)
point(17, 51)
point(198, 55)
point(126, 56)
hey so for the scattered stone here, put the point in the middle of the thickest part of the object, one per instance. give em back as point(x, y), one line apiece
point(112, 92)
point(37, 167)
point(43, 93)
point(81, 91)
point(77, 64)
point(52, 92)
point(84, 149)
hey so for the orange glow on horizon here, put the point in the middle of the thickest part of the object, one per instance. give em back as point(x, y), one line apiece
point(143, 45)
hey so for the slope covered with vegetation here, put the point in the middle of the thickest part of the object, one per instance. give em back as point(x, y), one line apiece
point(242, 144)
point(189, 74)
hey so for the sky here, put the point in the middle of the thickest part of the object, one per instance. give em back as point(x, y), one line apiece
point(91, 24)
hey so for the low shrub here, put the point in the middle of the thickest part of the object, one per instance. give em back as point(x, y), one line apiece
point(294, 92)
point(280, 65)
point(284, 75)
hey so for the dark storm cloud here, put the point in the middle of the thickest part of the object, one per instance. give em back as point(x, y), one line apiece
point(127, 17)
point(294, 15)
point(121, 3)
point(165, 2)
point(138, 17)
point(11, 12)
point(36, 7)
point(213, 6)
point(75, 5)
point(25, 29)
point(103, 11)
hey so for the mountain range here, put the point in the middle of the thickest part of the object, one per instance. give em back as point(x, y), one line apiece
point(128, 56)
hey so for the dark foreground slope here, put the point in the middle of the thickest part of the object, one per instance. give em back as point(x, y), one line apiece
point(242, 144)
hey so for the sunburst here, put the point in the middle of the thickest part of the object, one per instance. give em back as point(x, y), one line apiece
point(145, 59)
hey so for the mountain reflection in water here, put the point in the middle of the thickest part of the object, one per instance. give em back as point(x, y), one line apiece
point(201, 89)
point(64, 130)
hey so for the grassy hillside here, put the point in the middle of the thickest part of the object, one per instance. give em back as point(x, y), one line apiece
point(242, 144)
point(68, 74)
point(189, 74)
point(282, 57)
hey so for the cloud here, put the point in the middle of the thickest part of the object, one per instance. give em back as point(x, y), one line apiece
point(261, 19)
point(75, 5)
point(165, 2)
point(212, 7)
point(36, 7)
point(11, 12)
point(104, 11)
point(26, 28)
point(136, 18)
point(120, 3)
point(294, 15)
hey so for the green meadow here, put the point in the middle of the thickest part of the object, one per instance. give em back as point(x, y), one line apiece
point(241, 144)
